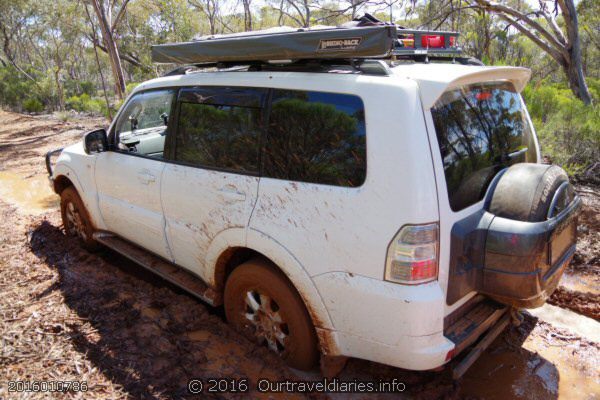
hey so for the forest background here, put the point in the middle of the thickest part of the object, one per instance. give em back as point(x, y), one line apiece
point(65, 56)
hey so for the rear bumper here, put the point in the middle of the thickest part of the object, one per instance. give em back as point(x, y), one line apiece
point(418, 353)
point(385, 322)
point(399, 325)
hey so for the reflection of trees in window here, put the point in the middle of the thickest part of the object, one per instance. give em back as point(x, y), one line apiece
point(218, 136)
point(477, 127)
point(315, 141)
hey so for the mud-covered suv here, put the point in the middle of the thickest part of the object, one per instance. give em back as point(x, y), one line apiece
point(394, 213)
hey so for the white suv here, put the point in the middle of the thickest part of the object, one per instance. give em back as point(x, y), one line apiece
point(391, 214)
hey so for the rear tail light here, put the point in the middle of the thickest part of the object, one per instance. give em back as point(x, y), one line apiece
point(412, 255)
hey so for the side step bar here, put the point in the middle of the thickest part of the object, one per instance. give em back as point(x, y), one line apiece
point(462, 367)
point(167, 270)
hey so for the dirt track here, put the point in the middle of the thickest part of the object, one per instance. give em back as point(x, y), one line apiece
point(66, 314)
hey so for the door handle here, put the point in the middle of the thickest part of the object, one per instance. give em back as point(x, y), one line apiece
point(230, 194)
point(146, 177)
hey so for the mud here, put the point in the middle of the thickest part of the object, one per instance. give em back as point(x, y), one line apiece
point(66, 314)
point(30, 194)
point(579, 288)
point(584, 303)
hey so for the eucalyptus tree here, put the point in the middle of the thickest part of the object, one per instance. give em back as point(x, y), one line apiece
point(563, 44)
point(109, 15)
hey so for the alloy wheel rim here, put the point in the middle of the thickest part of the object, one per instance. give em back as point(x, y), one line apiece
point(76, 225)
point(264, 316)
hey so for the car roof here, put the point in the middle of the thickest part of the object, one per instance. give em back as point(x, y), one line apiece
point(433, 79)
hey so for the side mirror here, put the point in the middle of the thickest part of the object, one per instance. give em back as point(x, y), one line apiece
point(95, 141)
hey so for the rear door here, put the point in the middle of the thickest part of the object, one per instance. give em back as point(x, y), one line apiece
point(128, 178)
point(480, 128)
point(211, 184)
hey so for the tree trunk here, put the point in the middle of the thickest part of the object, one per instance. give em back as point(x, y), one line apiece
point(113, 51)
point(565, 50)
point(247, 15)
point(59, 90)
point(574, 65)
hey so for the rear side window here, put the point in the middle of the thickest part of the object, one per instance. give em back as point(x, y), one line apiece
point(481, 129)
point(220, 128)
point(316, 137)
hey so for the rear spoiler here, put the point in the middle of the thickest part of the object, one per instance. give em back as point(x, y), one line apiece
point(434, 85)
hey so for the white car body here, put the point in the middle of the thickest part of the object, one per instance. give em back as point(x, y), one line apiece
point(331, 242)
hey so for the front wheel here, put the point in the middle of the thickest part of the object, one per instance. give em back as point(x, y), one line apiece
point(263, 305)
point(76, 219)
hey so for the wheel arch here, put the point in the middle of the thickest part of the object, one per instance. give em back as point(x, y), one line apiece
point(61, 182)
point(65, 176)
point(227, 257)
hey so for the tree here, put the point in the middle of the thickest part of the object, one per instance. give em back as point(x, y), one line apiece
point(247, 15)
point(108, 26)
point(211, 9)
point(563, 46)
point(298, 11)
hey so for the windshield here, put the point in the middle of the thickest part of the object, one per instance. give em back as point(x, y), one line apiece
point(481, 129)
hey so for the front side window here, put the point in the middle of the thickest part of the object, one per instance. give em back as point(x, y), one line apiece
point(220, 128)
point(142, 125)
point(481, 129)
point(316, 137)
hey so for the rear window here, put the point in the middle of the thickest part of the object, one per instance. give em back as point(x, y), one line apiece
point(481, 129)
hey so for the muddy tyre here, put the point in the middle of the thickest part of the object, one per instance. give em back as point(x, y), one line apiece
point(526, 190)
point(264, 306)
point(76, 219)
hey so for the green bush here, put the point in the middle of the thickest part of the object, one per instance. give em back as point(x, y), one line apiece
point(130, 86)
point(85, 103)
point(78, 87)
point(568, 130)
point(14, 90)
point(33, 105)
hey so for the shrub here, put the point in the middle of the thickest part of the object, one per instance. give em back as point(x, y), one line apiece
point(85, 103)
point(568, 130)
point(33, 105)
point(130, 86)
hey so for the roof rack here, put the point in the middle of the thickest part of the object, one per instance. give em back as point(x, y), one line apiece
point(340, 66)
point(279, 46)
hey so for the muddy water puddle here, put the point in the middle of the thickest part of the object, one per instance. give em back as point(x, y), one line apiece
point(580, 283)
point(32, 195)
point(541, 369)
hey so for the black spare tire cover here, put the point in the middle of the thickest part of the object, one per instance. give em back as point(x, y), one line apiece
point(525, 191)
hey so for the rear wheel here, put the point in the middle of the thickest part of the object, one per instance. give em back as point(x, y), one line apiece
point(76, 219)
point(262, 304)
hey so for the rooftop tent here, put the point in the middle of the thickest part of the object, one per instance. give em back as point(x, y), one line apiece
point(281, 44)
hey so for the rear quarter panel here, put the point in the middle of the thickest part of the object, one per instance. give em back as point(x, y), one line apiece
point(330, 228)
